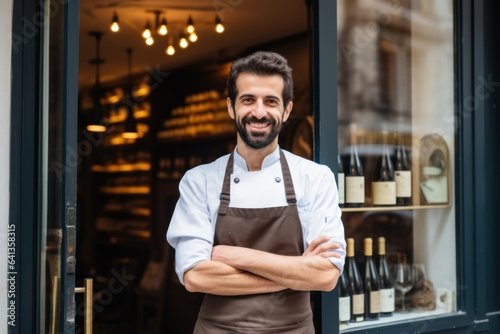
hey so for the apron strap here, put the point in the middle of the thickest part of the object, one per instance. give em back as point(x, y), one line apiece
point(287, 176)
point(226, 187)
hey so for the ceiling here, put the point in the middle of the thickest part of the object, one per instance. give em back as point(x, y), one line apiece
point(247, 22)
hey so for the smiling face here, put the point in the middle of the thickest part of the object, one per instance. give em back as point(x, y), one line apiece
point(258, 111)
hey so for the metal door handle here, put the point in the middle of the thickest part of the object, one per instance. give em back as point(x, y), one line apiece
point(88, 302)
point(55, 305)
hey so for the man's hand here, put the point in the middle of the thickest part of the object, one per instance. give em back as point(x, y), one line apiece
point(322, 247)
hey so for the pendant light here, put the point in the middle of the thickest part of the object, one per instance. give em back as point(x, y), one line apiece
point(163, 28)
point(96, 121)
point(190, 25)
point(115, 25)
point(183, 41)
point(147, 31)
point(170, 50)
point(219, 27)
point(130, 124)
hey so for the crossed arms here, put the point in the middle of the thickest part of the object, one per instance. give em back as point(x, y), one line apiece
point(236, 270)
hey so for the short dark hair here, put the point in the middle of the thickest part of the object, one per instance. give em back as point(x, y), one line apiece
point(261, 63)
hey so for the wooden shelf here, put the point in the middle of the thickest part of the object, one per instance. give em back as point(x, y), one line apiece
point(397, 208)
point(126, 190)
point(138, 212)
point(121, 168)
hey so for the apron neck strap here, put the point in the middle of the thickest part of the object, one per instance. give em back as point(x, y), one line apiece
point(226, 186)
point(287, 176)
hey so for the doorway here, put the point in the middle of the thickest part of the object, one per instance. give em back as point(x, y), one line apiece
point(127, 188)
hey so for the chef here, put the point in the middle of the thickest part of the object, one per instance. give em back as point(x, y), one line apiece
point(259, 228)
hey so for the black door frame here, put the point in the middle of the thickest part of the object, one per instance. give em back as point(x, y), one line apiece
point(23, 206)
point(25, 156)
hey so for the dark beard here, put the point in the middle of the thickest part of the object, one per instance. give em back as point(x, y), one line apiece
point(257, 140)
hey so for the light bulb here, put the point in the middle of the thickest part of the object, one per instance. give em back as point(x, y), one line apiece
point(219, 27)
point(193, 37)
point(170, 50)
point(183, 43)
point(115, 27)
point(150, 40)
point(146, 33)
point(190, 25)
point(163, 30)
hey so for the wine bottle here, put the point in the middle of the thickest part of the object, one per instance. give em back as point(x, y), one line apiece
point(344, 299)
point(372, 284)
point(387, 301)
point(402, 176)
point(354, 180)
point(355, 285)
point(341, 181)
point(383, 184)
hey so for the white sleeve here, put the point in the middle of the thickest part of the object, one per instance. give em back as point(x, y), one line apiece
point(190, 231)
point(324, 217)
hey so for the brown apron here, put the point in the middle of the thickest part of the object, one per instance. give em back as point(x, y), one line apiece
point(276, 230)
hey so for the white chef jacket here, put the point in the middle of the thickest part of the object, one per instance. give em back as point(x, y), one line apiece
point(191, 229)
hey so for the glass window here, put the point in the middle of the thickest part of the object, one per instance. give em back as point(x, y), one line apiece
point(396, 147)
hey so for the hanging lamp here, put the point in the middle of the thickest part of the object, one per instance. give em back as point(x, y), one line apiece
point(96, 121)
point(190, 25)
point(219, 27)
point(130, 124)
point(115, 25)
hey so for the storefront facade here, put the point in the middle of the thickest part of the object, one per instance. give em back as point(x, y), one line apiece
point(453, 92)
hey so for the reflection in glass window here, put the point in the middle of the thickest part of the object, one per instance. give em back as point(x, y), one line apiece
point(396, 117)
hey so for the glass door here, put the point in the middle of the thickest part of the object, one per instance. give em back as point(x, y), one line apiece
point(59, 160)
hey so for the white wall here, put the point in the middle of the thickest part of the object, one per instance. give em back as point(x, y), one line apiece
point(5, 66)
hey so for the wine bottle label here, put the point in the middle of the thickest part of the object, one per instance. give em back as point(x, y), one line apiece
point(355, 189)
point(375, 301)
point(344, 308)
point(384, 193)
point(358, 304)
point(403, 183)
point(387, 300)
point(341, 188)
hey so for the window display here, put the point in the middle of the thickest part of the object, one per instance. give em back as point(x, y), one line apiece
point(396, 142)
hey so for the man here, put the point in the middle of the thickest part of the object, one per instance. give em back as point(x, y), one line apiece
point(259, 228)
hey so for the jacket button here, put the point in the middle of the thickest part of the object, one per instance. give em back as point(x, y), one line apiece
point(236, 180)
point(277, 179)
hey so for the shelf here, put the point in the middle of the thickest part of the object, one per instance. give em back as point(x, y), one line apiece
point(209, 137)
point(396, 318)
point(197, 133)
point(164, 177)
point(121, 116)
point(126, 190)
point(128, 241)
point(396, 208)
point(139, 212)
point(121, 168)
